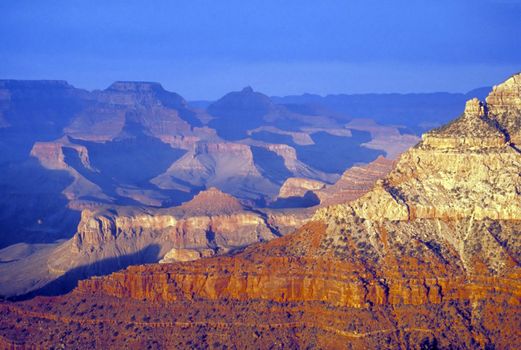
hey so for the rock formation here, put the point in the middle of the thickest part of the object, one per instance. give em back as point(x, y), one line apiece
point(94, 181)
point(228, 166)
point(52, 155)
point(355, 182)
point(107, 240)
point(430, 258)
point(298, 187)
point(164, 114)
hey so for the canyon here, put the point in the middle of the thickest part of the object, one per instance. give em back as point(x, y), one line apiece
point(426, 255)
point(95, 181)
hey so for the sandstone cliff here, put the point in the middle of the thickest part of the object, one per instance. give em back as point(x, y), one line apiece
point(354, 182)
point(108, 239)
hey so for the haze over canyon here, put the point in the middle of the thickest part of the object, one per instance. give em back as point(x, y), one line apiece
point(95, 181)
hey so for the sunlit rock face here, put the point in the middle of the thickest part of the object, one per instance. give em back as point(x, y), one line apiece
point(295, 187)
point(355, 182)
point(428, 258)
point(106, 240)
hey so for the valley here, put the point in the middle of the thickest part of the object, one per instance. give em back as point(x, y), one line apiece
point(426, 257)
point(95, 181)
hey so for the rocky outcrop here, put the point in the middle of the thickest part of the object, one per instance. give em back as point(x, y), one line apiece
point(269, 155)
point(53, 155)
point(298, 187)
point(102, 235)
point(503, 104)
point(355, 182)
point(140, 93)
point(108, 239)
point(211, 223)
point(162, 113)
point(211, 202)
point(297, 167)
point(225, 165)
point(186, 254)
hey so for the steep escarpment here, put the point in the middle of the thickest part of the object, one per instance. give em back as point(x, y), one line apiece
point(228, 166)
point(52, 155)
point(213, 222)
point(108, 169)
point(429, 258)
point(440, 230)
point(355, 182)
point(108, 239)
point(162, 113)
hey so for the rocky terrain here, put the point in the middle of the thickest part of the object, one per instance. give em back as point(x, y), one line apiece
point(94, 181)
point(298, 187)
point(355, 182)
point(107, 240)
point(429, 258)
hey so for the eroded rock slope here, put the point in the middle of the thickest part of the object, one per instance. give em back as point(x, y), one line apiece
point(430, 258)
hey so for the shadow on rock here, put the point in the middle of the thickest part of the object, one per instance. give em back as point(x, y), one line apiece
point(68, 281)
point(309, 199)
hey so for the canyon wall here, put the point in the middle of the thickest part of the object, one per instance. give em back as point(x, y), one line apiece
point(440, 229)
point(429, 258)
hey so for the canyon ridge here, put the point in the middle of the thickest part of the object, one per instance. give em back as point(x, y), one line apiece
point(427, 258)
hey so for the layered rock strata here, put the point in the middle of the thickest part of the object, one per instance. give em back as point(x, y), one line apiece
point(355, 182)
point(430, 258)
point(108, 239)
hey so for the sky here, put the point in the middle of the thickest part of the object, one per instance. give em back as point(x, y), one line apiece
point(203, 49)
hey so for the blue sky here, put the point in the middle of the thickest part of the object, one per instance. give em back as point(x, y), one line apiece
point(203, 48)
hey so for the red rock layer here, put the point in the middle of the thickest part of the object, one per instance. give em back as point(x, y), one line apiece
point(271, 273)
point(283, 293)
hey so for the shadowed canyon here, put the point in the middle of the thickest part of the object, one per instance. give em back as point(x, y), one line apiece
point(92, 179)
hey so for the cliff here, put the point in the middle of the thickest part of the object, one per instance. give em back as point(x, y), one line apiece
point(429, 258)
point(439, 230)
point(355, 182)
point(57, 155)
point(228, 166)
point(109, 239)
